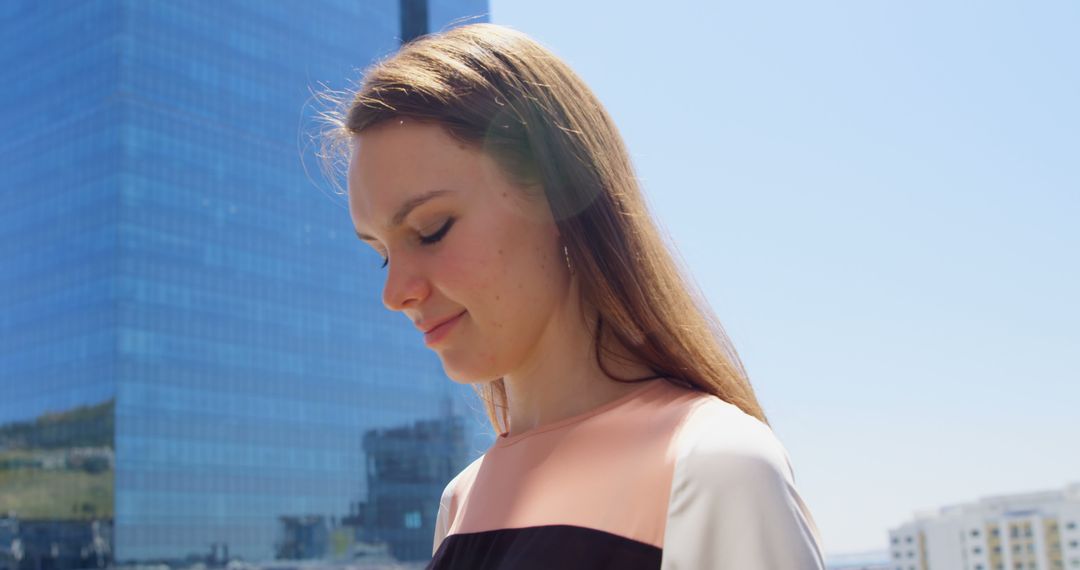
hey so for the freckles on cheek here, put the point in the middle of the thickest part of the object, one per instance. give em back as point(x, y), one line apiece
point(491, 278)
point(478, 288)
point(499, 260)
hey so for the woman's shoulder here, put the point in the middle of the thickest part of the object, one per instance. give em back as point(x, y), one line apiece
point(732, 475)
point(451, 499)
point(716, 434)
point(461, 482)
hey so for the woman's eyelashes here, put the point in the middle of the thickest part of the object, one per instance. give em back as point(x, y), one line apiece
point(433, 238)
point(439, 234)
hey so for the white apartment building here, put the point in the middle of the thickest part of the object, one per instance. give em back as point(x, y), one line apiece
point(1029, 531)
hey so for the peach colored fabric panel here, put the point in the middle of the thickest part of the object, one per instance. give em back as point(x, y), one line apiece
point(609, 469)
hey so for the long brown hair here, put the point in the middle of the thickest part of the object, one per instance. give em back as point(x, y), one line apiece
point(496, 88)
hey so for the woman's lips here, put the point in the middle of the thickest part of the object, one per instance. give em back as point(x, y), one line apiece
point(438, 333)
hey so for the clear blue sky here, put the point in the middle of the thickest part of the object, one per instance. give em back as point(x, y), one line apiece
point(881, 201)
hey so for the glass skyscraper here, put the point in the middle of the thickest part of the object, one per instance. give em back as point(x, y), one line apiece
point(195, 363)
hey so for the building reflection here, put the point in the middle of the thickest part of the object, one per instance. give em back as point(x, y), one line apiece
point(56, 490)
point(57, 493)
point(407, 468)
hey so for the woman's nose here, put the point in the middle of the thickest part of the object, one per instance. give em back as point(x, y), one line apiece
point(405, 286)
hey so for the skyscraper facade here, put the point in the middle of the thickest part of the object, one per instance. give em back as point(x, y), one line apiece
point(195, 363)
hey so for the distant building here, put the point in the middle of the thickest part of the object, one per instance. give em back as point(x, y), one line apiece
point(871, 560)
point(1028, 531)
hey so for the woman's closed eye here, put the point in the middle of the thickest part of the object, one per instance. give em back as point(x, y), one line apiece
point(433, 238)
point(439, 234)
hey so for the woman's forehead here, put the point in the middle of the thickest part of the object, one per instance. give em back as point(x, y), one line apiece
point(396, 167)
point(394, 162)
point(389, 152)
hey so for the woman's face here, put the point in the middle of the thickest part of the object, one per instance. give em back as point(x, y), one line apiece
point(491, 255)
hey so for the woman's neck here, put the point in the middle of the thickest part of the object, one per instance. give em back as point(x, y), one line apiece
point(562, 378)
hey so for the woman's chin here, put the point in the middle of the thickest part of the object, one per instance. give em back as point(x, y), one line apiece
point(464, 376)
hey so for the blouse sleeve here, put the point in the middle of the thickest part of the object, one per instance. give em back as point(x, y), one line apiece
point(733, 502)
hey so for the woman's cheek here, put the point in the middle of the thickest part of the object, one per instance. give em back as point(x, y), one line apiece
point(466, 275)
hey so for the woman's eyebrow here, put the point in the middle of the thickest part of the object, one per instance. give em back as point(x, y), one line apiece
point(408, 206)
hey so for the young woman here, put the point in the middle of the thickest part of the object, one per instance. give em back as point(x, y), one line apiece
point(515, 236)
